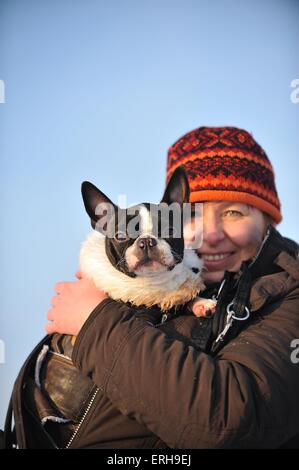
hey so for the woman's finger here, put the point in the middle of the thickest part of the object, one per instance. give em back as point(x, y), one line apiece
point(50, 328)
point(58, 287)
point(50, 314)
point(54, 300)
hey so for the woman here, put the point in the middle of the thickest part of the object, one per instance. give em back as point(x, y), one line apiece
point(226, 381)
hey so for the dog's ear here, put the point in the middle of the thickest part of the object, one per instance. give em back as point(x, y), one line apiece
point(97, 205)
point(178, 189)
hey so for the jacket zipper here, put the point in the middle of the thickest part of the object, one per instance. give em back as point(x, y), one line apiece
point(82, 419)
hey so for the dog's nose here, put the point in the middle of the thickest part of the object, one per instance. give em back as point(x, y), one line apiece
point(146, 243)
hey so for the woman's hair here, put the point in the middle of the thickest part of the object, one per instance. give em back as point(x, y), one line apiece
point(269, 220)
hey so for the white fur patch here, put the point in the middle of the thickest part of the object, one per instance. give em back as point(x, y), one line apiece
point(146, 222)
point(164, 289)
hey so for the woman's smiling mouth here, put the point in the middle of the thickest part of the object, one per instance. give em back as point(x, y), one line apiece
point(216, 261)
point(216, 256)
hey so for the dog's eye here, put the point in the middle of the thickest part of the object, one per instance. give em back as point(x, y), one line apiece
point(170, 232)
point(121, 236)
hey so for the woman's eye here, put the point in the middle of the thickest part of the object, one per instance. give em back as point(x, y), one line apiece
point(121, 236)
point(232, 213)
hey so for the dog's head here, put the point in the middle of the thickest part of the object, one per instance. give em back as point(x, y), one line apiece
point(145, 239)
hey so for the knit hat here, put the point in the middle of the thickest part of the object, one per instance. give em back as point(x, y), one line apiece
point(226, 164)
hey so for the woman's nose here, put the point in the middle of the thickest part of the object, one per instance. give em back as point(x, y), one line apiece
point(212, 230)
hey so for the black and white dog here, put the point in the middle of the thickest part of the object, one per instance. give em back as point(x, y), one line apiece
point(133, 258)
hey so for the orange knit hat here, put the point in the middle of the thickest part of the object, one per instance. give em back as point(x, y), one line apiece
point(226, 164)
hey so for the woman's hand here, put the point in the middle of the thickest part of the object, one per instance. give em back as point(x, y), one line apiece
point(72, 305)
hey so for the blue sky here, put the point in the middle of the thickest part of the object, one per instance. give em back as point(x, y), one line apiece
point(98, 91)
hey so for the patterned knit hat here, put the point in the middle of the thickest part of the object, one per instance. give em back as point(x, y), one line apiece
point(226, 164)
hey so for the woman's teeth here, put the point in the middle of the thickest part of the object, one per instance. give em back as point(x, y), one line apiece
point(215, 257)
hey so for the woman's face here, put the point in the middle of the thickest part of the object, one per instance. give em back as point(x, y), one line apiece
point(231, 233)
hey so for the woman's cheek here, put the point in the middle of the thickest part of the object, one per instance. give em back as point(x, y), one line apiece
point(247, 239)
point(193, 235)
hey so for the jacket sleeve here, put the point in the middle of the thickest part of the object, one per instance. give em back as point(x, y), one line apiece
point(247, 396)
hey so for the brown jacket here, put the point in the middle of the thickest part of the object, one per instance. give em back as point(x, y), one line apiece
point(181, 384)
point(245, 395)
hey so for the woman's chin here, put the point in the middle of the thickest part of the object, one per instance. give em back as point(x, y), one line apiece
point(212, 278)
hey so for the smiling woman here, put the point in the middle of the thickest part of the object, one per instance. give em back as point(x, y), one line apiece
point(185, 379)
point(232, 176)
point(226, 380)
point(232, 233)
point(236, 394)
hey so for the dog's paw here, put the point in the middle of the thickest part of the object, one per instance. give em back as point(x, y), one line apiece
point(203, 307)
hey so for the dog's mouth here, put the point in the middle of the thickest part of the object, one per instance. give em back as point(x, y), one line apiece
point(150, 265)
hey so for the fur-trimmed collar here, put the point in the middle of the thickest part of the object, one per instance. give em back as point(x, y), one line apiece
point(166, 290)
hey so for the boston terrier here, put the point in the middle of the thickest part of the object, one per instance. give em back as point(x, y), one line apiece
point(137, 255)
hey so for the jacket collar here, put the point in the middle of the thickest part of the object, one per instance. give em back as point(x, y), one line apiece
point(265, 260)
point(274, 270)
